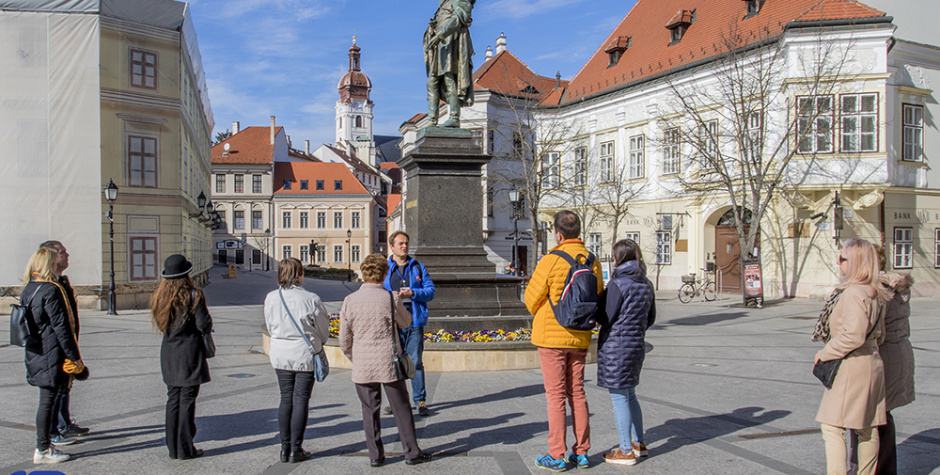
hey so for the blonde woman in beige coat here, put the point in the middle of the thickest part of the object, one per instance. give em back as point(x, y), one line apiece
point(855, 328)
point(366, 338)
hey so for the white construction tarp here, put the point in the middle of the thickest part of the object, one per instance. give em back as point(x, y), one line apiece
point(50, 136)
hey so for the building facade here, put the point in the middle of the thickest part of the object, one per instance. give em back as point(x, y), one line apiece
point(130, 106)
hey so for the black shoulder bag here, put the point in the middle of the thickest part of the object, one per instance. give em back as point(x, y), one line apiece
point(404, 365)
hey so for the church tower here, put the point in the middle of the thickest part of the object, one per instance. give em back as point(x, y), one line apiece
point(354, 110)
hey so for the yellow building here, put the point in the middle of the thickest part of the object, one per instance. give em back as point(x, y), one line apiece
point(107, 91)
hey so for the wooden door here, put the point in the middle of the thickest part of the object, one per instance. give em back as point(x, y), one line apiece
point(728, 258)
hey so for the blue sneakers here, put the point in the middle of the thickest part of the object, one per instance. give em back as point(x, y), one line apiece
point(580, 460)
point(553, 464)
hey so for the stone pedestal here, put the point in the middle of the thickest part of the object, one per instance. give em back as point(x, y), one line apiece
point(444, 217)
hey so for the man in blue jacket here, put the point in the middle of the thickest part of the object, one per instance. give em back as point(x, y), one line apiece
point(410, 278)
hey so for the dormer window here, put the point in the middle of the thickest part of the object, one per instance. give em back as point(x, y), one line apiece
point(679, 23)
point(753, 7)
point(615, 50)
point(529, 90)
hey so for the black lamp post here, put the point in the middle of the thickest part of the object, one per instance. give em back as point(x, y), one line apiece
point(110, 193)
point(514, 199)
point(267, 245)
point(349, 259)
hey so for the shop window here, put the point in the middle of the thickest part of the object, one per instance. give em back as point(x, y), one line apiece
point(664, 247)
point(903, 248)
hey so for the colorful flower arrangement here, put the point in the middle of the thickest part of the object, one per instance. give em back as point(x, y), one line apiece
point(443, 336)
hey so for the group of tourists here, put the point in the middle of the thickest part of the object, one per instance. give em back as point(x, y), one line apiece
point(864, 324)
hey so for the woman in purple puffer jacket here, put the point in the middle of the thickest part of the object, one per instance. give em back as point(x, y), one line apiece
point(630, 310)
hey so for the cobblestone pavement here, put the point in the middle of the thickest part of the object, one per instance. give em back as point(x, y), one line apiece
point(724, 390)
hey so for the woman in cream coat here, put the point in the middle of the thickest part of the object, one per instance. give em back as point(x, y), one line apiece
point(857, 398)
point(366, 338)
point(290, 355)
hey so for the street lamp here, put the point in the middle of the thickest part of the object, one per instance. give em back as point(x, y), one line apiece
point(110, 193)
point(514, 198)
point(349, 247)
point(267, 249)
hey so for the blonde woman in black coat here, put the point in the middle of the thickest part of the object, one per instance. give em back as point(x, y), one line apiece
point(179, 311)
point(46, 354)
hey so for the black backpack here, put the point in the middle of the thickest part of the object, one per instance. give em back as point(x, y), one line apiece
point(23, 330)
point(579, 303)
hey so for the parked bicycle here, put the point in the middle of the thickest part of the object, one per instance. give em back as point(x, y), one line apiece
point(693, 287)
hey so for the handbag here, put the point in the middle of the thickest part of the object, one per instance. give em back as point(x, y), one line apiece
point(208, 344)
point(321, 365)
point(23, 330)
point(402, 362)
point(825, 371)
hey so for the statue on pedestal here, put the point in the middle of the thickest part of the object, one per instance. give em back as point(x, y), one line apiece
point(447, 56)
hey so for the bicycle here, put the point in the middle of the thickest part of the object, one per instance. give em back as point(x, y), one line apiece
point(693, 286)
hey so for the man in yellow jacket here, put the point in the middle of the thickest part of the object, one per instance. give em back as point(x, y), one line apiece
point(561, 351)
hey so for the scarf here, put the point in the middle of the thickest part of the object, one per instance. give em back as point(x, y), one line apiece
point(821, 332)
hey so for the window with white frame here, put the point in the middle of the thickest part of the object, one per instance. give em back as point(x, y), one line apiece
point(239, 219)
point(143, 66)
point(633, 236)
point(337, 220)
point(256, 183)
point(142, 161)
point(304, 253)
point(607, 162)
point(355, 251)
point(708, 138)
point(814, 124)
point(551, 161)
point(859, 114)
point(637, 151)
point(286, 250)
point(671, 145)
point(239, 183)
point(321, 219)
point(256, 222)
point(285, 219)
point(220, 183)
point(580, 166)
point(913, 133)
point(594, 243)
point(355, 219)
point(222, 218)
point(903, 248)
point(321, 253)
point(664, 247)
point(936, 247)
point(338, 253)
point(143, 254)
point(304, 219)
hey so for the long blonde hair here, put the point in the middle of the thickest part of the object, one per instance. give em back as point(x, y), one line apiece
point(863, 268)
point(171, 296)
point(41, 266)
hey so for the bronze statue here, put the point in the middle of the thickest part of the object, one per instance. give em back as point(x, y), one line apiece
point(447, 55)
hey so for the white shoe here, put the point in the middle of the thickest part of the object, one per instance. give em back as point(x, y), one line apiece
point(50, 455)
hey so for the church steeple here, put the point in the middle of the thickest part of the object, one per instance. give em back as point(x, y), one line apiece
point(354, 108)
point(354, 84)
point(354, 56)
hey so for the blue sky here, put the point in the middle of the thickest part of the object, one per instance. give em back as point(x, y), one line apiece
point(285, 57)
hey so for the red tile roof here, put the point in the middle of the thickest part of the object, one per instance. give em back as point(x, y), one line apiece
point(650, 53)
point(250, 146)
point(313, 171)
point(507, 74)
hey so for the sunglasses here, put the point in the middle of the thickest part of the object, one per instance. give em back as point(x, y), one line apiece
point(843, 259)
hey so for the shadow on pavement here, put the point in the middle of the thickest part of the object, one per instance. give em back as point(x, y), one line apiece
point(496, 430)
point(915, 443)
point(680, 432)
point(699, 320)
point(524, 391)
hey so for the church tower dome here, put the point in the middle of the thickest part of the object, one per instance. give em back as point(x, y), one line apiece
point(354, 84)
point(354, 109)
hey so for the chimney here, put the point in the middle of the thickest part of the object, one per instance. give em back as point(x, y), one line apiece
point(501, 43)
point(307, 146)
point(558, 80)
point(272, 130)
point(288, 141)
point(489, 53)
point(235, 127)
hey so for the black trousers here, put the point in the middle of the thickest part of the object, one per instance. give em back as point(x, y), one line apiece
point(371, 398)
point(181, 420)
point(295, 387)
point(47, 415)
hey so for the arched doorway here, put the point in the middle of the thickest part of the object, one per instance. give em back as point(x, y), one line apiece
point(728, 250)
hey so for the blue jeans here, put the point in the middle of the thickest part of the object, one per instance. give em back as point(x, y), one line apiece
point(629, 417)
point(412, 340)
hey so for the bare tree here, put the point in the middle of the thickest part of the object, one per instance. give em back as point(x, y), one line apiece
point(741, 126)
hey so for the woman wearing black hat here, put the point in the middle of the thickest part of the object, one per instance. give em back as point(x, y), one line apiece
point(179, 311)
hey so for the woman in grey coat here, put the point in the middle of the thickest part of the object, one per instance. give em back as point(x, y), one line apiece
point(367, 337)
point(290, 355)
